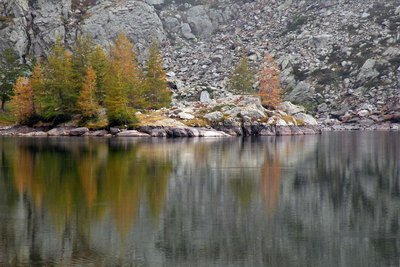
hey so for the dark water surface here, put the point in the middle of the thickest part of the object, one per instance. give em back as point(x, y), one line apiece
point(330, 200)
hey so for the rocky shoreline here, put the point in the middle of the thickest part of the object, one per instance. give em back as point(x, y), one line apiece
point(176, 132)
point(161, 131)
point(236, 115)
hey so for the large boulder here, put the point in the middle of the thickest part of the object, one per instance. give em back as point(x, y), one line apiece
point(302, 93)
point(306, 118)
point(132, 133)
point(78, 131)
point(290, 108)
point(368, 71)
point(199, 21)
point(187, 31)
point(59, 131)
point(252, 113)
point(215, 116)
point(34, 134)
point(153, 131)
point(205, 97)
point(138, 20)
point(99, 133)
point(185, 116)
point(155, 2)
point(212, 133)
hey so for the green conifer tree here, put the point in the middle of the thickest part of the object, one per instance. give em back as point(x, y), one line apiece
point(61, 95)
point(156, 92)
point(100, 63)
point(242, 79)
point(10, 70)
point(38, 87)
point(81, 55)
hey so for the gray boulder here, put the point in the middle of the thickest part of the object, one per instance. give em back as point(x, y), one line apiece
point(212, 133)
point(78, 131)
point(205, 97)
point(185, 116)
point(199, 21)
point(138, 20)
point(301, 93)
point(368, 71)
point(252, 113)
point(98, 133)
point(187, 31)
point(215, 116)
point(155, 2)
point(60, 131)
point(132, 133)
point(114, 130)
point(34, 134)
point(290, 108)
point(171, 24)
point(306, 118)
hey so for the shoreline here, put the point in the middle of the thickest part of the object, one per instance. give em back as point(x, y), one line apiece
point(190, 132)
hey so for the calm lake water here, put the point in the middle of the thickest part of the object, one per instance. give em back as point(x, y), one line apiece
point(330, 200)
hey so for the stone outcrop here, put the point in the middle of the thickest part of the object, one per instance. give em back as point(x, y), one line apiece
point(31, 27)
point(136, 19)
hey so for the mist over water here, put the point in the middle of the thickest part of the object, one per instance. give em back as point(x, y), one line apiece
point(330, 200)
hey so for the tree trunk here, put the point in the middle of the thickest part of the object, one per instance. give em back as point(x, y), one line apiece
point(3, 105)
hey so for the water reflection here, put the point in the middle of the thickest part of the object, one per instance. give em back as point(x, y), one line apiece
point(330, 200)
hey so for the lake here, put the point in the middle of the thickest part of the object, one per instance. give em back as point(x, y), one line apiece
point(329, 200)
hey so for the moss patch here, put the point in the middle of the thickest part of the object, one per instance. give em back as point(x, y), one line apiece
point(197, 122)
point(150, 118)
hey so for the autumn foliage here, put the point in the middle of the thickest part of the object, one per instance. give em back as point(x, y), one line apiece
point(87, 102)
point(269, 83)
point(86, 80)
point(23, 100)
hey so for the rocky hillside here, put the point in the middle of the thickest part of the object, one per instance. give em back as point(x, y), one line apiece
point(338, 57)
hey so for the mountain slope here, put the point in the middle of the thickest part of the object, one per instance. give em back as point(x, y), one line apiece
point(335, 55)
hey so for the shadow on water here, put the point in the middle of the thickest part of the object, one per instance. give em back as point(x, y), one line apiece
point(330, 200)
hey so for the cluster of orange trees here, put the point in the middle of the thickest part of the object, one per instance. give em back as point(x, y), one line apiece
point(87, 81)
point(269, 88)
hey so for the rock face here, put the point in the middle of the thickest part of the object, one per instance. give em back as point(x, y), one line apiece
point(32, 26)
point(137, 20)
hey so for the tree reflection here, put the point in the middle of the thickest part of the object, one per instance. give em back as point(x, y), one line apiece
point(87, 185)
point(270, 180)
point(334, 200)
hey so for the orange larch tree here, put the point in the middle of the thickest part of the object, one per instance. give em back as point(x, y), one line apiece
point(123, 82)
point(269, 84)
point(23, 100)
point(87, 102)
